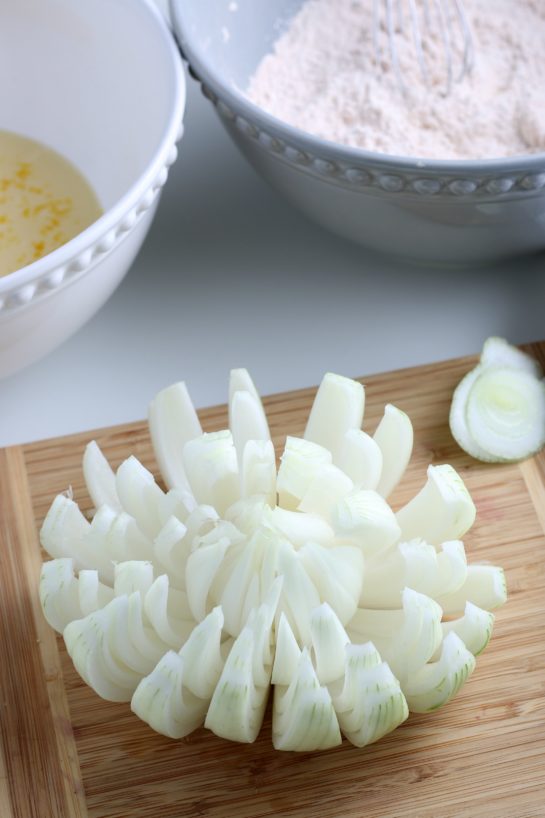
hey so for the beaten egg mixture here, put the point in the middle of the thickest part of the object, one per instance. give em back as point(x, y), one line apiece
point(44, 201)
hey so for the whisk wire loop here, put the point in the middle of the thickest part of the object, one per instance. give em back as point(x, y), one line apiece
point(444, 33)
point(424, 25)
point(417, 38)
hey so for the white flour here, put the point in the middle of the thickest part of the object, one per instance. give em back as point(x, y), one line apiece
point(323, 78)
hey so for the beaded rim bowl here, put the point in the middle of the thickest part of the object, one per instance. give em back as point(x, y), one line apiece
point(441, 212)
point(75, 258)
point(394, 173)
point(356, 166)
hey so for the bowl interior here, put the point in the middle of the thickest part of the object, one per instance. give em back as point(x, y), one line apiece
point(92, 79)
point(233, 35)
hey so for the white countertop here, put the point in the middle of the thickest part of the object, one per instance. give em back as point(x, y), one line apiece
point(232, 276)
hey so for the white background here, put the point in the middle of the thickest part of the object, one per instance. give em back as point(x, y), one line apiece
point(230, 276)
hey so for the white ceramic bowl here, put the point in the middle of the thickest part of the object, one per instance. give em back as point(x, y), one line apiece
point(440, 211)
point(102, 83)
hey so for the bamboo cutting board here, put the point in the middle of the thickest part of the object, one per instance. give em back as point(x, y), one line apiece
point(64, 752)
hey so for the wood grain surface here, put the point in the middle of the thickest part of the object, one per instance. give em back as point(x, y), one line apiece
point(64, 752)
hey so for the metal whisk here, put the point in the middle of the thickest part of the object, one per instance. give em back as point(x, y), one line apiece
point(416, 21)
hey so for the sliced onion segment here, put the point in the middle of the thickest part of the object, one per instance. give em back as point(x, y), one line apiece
point(498, 409)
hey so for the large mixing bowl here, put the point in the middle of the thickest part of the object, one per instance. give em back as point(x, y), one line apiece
point(102, 83)
point(441, 211)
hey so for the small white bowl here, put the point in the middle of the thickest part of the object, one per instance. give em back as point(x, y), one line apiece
point(102, 83)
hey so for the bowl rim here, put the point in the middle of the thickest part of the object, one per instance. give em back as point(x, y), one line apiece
point(318, 147)
point(92, 234)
